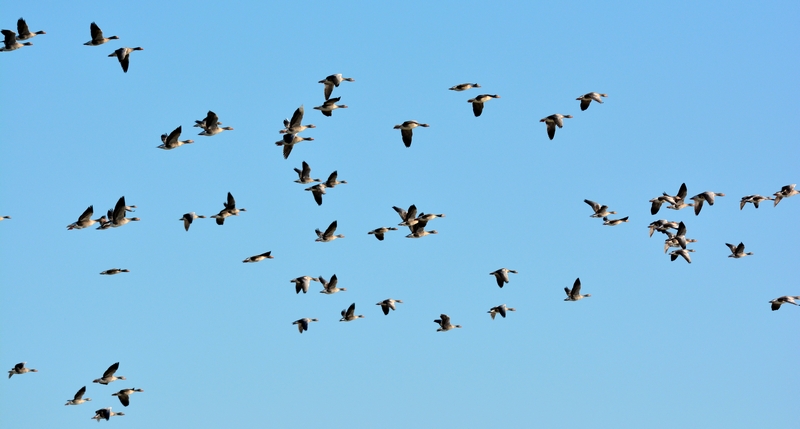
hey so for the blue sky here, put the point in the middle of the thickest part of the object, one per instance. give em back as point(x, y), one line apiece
point(697, 94)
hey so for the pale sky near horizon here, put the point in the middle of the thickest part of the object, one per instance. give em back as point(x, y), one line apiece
point(697, 94)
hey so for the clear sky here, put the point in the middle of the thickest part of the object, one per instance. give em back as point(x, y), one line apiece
point(699, 94)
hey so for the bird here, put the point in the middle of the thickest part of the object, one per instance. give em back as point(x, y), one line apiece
point(288, 141)
point(406, 130)
point(418, 230)
point(553, 121)
point(170, 141)
point(614, 222)
point(673, 200)
point(599, 211)
point(444, 323)
point(349, 315)
point(85, 220)
point(707, 196)
point(117, 216)
point(318, 191)
point(105, 413)
point(586, 99)
point(97, 36)
point(330, 105)
point(23, 33)
point(754, 199)
point(302, 324)
point(124, 395)
point(427, 217)
point(20, 369)
point(501, 276)
point(333, 81)
point(294, 126)
point(501, 310)
point(123, 55)
point(682, 253)
point(302, 283)
point(662, 225)
point(78, 399)
point(389, 304)
point(477, 102)
point(333, 180)
point(328, 234)
point(109, 376)
point(379, 232)
point(406, 215)
point(777, 302)
point(229, 210)
point(259, 258)
point(113, 271)
point(678, 239)
point(464, 86)
point(211, 125)
point(785, 192)
point(329, 287)
point(305, 174)
point(574, 294)
point(737, 251)
point(188, 218)
point(10, 42)
point(4, 217)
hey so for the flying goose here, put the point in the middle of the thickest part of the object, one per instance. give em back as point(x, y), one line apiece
point(229, 210)
point(170, 141)
point(349, 315)
point(330, 105)
point(210, 121)
point(777, 302)
point(333, 180)
point(294, 126)
point(707, 196)
point(553, 121)
point(388, 304)
point(586, 99)
point(682, 253)
point(599, 211)
point(97, 36)
point(124, 395)
point(188, 218)
point(464, 87)
point(662, 225)
point(318, 191)
point(302, 324)
point(418, 230)
point(123, 55)
point(305, 174)
point(20, 369)
point(574, 294)
point(105, 413)
point(406, 130)
point(673, 200)
point(78, 399)
point(406, 216)
point(23, 33)
point(109, 376)
point(427, 217)
point(117, 216)
point(10, 42)
point(261, 257)
point(4, 217)
point(328, 234)
point(379, 232)
point(302, 283)
point(329, 287)
point(85, 220)
point(614, 222)
point(737, 251)
point(333, 81)
point(785, 192)
point(444, 323)
point(501, 276)
point(477, 103)
point(501, 310)
point(754, 199)
point(288, 141)
point(113, 271)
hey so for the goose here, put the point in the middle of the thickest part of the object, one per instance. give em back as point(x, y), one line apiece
point(477, 102)
point(662, 225)
point(708, 197)
point(444, 323)
point(754, 199)
point(379, 232)
point(586, 99)
point(427, 217)
point(406, 216)
point(318, 191)
point(123, 55)
point(288, 141)
point(117, 217)
point(599, 211)
point(97, 36)
point(210, 121)
point(574, 294)
point(4, 217)
point(680, 205)
point(229, 210)
point(23, 33)
point(614, 222)
point(678, 239)
point(303, 283)
point(464, 87)
point(388, 304)
point(328, 234)
point(785, 192)
point(188, 218)
point(418, 230)
point(302, 324)
point(20, 369)
point(673, 200)
point(305, 174)
point(259, 258)
point(124, 395)
point(330, 105)
point(78, 399)
point(501, 310)
point(681, 252)
point(329, 287)
point(406, 130)
point(349, 315)
point(105, 413)
point(737, 251)
point(553, 121)
point(109, 376)
point(85, 220)
point(294, 126)
point(333, 81)
point(501, 276)
point(114, 271)
point(170, 141)
point(777, 302)
point(333, 180)
point(10, 42)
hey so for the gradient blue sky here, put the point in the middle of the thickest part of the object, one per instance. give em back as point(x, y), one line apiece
point(699, 94)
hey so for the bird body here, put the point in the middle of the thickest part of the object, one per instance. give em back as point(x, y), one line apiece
point(123, 55)
point(553, 121)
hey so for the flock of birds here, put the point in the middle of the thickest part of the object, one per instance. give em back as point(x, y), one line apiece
point(675, 232)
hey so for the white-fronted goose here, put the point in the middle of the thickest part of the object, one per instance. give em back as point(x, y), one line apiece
point(754, 199)
point(10, 41)
point(574, 294)
point(427, 217)
point(109, 376)
point(229, 210)
point(682, 253)
point(210, 121)
point(123, 55)
point(188, 218)
point(333, 180)
point(124, 395)
point(23, 33)
point(303, 283)
point(477, 102)
point(501, 310)
point(333, 81)
point(85, 220)
point(330, 105)
point(349, 314)
point(170, 141)
point(78, 399)
point(785, 192)
point(4, 217)
point(114, 271)
point(295, 126)
point(259, 258)
point(614, 222)
point(302, 324)
point(318, 191)
point(777, 302)
point(379, 232)
point(737, 251)
point(105, 413)
point(599, 211)
point(117, 217)
point(553, 121)
point(328, 234)
point(444, 323)
point(672, 200)
point(464, 87)
point(501, 276)
point(678, 239)
point(662, 226)
point(406, 130)
point(388, 304)
point(586, 99)
point(20, 369)
point(708, 197)
point(406, 216)
point(288, 141)
point(97, 36)
point(305, 174)
point(418, 230)
point(330, 287)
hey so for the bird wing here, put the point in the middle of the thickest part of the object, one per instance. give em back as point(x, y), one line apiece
point(297, 117)
point(407, 135)
point(332, 227)
point(477, 109)
point(111, 370)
